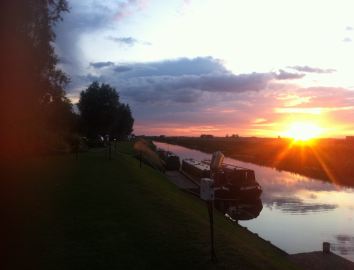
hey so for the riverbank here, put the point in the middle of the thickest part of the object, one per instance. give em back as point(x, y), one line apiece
point(326, 159)
point(316, 260)
point(95, 213)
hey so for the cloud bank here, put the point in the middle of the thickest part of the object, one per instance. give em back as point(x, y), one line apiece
point(183, 80)
point(312, 69)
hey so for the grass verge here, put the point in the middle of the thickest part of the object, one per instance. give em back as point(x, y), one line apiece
point(95, 213)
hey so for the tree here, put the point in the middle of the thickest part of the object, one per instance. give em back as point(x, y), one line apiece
point(34, 106)
point(102, 113)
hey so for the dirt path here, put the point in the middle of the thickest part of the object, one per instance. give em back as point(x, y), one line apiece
point(180, 180)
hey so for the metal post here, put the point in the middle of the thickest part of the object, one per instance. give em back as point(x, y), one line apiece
point(109, 151)
point(211, 219)
point(76, 150)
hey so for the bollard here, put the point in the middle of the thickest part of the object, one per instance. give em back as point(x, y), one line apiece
point(109, 151)
point(326, 248)
point(207, 194)
point(211, 220)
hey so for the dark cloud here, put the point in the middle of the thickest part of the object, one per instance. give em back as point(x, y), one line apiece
point(128, 41)
point(146, 89)
point(283, 75)
point(184, 80)
point(187, 96)
point(177, 67)
point(122, 68)
point(312, 69)
point(101, 64)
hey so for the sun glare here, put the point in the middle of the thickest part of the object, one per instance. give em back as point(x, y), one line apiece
point(301, 131)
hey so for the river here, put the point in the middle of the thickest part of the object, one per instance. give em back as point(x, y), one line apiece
point(299, 213)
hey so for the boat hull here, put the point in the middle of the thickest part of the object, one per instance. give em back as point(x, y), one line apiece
point(249, 194)
point(228, 186)
point(171, 161)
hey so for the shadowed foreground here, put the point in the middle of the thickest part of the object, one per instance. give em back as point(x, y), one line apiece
point(99, 214)
point(318, 261)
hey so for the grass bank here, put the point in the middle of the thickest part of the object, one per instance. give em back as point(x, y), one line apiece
point(93, 213)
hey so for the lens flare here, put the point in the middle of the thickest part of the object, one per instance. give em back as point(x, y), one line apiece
point(303, 131)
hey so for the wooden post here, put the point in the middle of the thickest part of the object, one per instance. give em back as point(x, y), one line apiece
point(109, 151)
point(77, 153)
point(326, 248)
point(140, 157)
point(76, 149)
point(211, 219)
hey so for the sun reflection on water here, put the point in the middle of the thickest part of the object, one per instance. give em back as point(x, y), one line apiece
point(299, 213)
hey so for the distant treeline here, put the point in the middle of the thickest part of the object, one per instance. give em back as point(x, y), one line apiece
point(326, 159)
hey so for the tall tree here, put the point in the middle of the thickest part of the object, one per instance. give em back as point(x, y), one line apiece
point(102, 113)
point(32, 87)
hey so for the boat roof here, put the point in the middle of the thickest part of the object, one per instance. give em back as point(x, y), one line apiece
point(228, 166)
point(200, 165)
point(168, 153)
point(234, 167)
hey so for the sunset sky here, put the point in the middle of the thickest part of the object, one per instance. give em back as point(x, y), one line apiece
point(257, 68)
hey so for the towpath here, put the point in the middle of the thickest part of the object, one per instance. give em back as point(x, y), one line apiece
point(180, 180)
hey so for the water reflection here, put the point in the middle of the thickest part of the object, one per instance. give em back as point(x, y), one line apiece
point(299, 213)
point(294, 205)
point(344, 244)
point(240, 210)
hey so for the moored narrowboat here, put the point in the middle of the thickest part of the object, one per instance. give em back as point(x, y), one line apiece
point(171, 161)
point(231, 182)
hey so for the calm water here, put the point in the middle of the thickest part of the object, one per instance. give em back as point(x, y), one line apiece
point(299, 213)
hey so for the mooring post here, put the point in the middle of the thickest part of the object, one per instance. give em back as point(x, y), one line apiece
point(109, 151)
point(207, 194)
point(77, 153)
point(326, 248)
point(211, 219)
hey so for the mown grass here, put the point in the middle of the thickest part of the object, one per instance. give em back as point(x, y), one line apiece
point(95, 213)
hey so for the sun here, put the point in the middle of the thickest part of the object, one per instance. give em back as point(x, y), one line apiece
point(303, 131)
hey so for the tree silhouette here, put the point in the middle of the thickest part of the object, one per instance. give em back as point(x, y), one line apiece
point(34, 108)
point(101, 112)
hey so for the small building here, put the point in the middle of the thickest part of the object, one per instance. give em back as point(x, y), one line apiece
point(206, 136)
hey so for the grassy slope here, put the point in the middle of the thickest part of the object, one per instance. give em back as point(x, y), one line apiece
point(100, 214)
